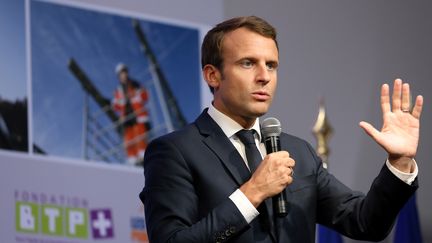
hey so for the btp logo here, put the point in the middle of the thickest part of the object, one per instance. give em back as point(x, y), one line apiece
point(63, 221)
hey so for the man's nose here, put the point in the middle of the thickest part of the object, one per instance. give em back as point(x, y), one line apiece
point(263, 74)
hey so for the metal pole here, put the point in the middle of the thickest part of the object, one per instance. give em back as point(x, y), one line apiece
point(85, 126)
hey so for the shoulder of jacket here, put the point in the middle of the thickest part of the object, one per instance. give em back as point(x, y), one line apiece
point(180, 135)
point(291, 137)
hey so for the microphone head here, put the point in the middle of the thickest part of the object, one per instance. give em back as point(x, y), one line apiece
point(271, 127)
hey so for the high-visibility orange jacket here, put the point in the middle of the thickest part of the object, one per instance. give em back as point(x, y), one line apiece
point(136, 96)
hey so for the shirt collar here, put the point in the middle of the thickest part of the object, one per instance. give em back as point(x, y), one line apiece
point(228, 125)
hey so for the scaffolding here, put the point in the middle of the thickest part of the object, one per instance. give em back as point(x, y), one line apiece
point(103, 128)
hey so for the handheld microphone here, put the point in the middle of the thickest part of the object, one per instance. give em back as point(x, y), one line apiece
point(271, 130)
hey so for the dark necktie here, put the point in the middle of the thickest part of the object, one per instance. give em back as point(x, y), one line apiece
point(262, 224)
point(252, 154)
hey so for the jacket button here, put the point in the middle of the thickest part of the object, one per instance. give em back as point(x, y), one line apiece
point(217, 239)
point(232, 229)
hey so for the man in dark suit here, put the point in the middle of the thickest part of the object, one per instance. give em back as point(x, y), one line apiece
point(201, 185)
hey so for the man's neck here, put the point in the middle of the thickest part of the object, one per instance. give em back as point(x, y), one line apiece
point(245, 122)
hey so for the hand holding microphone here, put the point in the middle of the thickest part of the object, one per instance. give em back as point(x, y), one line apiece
point(273, 174)
point(271, 130)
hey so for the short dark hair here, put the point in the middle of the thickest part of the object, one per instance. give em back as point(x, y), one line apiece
point(211, 48)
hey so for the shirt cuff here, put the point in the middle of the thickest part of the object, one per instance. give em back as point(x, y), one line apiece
point(243, 204)
point(408, 178)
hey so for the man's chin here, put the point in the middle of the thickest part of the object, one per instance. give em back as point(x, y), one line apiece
point(261, 109)
point(260, 112)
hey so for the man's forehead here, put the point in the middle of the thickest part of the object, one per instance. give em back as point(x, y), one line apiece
point(243, 33)
point(244, 40)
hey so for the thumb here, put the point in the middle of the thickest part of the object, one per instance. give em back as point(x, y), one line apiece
point(369, 129)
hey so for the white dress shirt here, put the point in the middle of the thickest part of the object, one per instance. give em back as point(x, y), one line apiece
point(231, 127)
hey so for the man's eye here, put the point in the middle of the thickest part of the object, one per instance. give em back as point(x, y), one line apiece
point(247, 63)
point(271, 66)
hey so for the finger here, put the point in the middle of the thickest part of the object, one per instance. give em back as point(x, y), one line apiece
point(406, 98)
point(287, 163)
point(418, 107)
point(289, 180)
point(369, 129)
point(292, 172)
point(385, 98)
point(397, 92)
point(281, 154)
point(291, 163)
point(288, 172)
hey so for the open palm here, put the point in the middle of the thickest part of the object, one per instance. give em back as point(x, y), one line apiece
point(399, 134)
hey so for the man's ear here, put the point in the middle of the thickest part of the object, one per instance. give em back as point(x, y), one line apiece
point(212, 75)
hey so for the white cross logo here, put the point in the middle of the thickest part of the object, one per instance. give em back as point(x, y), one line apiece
point(102, 224)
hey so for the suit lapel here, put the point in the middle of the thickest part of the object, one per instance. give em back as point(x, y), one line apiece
point(216, 140)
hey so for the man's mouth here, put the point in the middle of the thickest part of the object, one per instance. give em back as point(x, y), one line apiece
point(261, 95)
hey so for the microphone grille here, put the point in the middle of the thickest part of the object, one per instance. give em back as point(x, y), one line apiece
point(271, 127)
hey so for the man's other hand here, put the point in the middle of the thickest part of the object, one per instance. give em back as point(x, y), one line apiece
point(272, 175)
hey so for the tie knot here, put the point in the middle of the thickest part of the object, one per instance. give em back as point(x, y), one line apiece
point(246, 136)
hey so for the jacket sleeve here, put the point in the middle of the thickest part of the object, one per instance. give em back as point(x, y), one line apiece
point(171, 201)
point(359, 216)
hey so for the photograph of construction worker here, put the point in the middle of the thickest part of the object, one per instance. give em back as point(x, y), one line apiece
point(129, 101)
point(83, 107)
point(13, 83)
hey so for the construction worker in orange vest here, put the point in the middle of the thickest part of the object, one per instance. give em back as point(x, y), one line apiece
point(129, 100)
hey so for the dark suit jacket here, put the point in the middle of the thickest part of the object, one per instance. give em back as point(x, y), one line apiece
point(189, 175)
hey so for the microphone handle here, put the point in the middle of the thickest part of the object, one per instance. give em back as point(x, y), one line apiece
point(280, 205)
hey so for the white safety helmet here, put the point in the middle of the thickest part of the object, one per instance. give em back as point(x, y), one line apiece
point(120, 67)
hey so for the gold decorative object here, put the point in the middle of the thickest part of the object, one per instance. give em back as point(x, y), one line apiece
point(322, 131)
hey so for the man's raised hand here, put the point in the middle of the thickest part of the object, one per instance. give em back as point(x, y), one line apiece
point(399, 134)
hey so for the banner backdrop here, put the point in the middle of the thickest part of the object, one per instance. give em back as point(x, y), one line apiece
point(47, 199)
point(63, 145)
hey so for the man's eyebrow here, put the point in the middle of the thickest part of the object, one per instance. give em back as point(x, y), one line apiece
point(247, 58)
point(252, 59)
point(273, 61)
